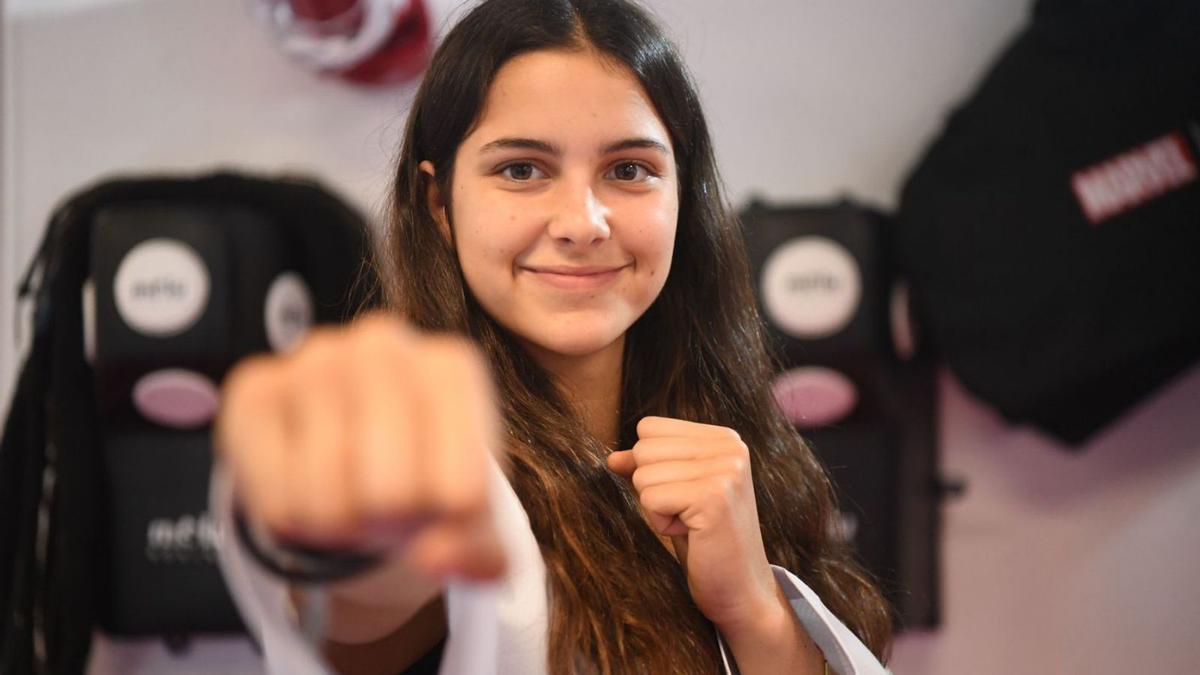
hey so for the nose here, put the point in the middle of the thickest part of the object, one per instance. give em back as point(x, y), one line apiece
point(579, 218)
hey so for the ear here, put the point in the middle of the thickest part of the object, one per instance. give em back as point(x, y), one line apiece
point(434, 199)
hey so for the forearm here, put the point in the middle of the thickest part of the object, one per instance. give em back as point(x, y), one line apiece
point(394, 652)
point(381, 638)
point(774, 642)
point(375, 604)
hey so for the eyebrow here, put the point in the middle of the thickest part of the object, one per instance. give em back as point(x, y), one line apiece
point(521, 143)
point(551, 149)
point(636, 143)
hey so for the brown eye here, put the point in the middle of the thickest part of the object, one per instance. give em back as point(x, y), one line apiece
point(520, 171)
point(631, 172)
point(627, 171)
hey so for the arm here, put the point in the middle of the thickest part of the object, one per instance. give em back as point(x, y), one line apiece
point(393, 652)
point(693, 481)
point(774, 642)
point(391, 630)
point(330, 447)
point(268, 609)
point(845, 654)
point(378, 603)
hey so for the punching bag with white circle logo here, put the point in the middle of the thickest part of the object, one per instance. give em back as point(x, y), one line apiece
point(853, 384)
point(184, 278)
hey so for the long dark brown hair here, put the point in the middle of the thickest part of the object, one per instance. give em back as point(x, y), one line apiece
point(619, 600)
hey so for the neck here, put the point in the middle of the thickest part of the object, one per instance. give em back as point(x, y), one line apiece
point(593, 384)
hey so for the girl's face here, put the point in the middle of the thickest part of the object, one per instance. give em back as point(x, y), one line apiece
point(565, 201)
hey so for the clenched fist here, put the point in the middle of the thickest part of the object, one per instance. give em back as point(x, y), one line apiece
point(694, 483)
point(369, 437)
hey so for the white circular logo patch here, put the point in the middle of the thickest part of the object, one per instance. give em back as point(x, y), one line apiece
point(811, 287)
point(288, 312)
point(161, 287)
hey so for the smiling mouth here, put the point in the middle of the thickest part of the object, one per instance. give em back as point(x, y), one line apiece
point(580, 278)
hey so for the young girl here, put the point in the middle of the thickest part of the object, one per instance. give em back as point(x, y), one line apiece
point(569, 396)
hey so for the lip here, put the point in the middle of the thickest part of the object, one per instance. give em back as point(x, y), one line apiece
point(576, 278)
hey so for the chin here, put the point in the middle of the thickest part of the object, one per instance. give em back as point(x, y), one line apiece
point(576, 340)
point(573, 345)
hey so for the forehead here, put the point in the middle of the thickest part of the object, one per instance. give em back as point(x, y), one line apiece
point(576, 95)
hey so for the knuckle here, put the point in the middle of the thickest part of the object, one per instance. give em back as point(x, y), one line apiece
point(723, 488)
point(246, 392)
point(378, 335)
point(458, 354)
point(645, 425)
point(371, 340)
point(320, 354)
point(741, 448)
point(317, 342)
point(458, 362)
point(655, 498)
point(648, 499)
point(248, 375)
point(463, 500)
point(738, 465)
point(378, 321)
point(444, 351)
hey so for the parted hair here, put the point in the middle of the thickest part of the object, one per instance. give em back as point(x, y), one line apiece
point(619, 601)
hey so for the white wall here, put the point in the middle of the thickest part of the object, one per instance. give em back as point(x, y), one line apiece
point(1054, 563)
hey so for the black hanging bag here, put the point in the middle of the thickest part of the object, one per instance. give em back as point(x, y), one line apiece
point(105, 457)
point(1050, 231)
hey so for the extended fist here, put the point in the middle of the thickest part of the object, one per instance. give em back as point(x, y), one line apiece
point(371, 436)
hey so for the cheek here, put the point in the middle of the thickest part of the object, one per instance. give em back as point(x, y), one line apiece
point(481, 235)
point(489, 241)
point(655, 240)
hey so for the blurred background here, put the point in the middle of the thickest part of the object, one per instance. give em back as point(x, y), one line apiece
point(1055, 558)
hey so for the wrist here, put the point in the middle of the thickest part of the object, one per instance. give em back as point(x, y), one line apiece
point(295, 562)
point(768, 621)
point(771, 640)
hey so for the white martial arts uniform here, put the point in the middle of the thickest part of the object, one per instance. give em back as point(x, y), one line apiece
point(498, 628)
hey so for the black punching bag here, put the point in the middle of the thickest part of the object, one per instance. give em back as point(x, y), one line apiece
point(1050, 232)
point(144, 292)
point(855, 385)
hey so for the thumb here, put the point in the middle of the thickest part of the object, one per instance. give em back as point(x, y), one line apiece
point(680, 544)
point(622, 462)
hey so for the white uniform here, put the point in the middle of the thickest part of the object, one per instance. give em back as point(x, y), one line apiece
point(499, 628)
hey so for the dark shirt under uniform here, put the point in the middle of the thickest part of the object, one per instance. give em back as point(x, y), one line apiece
point(429, 663)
